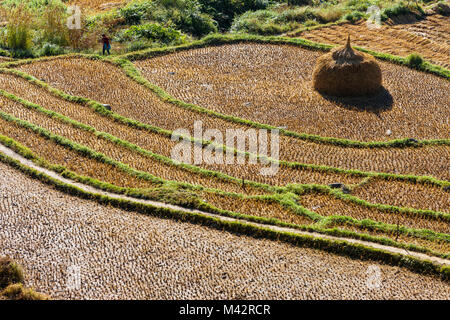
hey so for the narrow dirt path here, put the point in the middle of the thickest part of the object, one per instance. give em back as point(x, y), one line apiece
point(10, 153)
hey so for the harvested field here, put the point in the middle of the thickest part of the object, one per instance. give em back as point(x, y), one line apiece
point(68, 74)
point(327, 205)
point(407, 195)
point(257, 207)
point(238, 80)
point(48, 231)
point(428, 37)
point(437, 245)
point(72, 160)
point(435, 28)
point(168, 172)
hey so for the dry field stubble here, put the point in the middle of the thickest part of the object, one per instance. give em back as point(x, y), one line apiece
point(115, 151)
point(428, 37)
point(406, 195)
point(272, 84)
point(80, 77)
point(431, 197)
point(435, 27)
point(145, 163)
point(73, 161)
point(124, 255)
point(327, 205)
point(437, 245)
point(257, 207)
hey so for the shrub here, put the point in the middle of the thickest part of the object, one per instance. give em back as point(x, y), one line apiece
point(50, 49)
point(135, 12)
point(185, 15)
point(257, 22)
point(329, 14)
point(414, 60)
point(18, 292)
point(10, 272)
point(224, 11)
point(297, 15)
point(354, 16)
point(154, 32)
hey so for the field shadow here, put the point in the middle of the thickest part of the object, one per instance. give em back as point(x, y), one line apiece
point(377, 103)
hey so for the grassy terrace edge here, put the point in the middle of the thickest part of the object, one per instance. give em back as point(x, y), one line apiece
point(355, 251)
point(285, 199)
point(96, 106)
point(217, 40)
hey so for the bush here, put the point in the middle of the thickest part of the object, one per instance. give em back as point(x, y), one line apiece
point(225, 11)
point(258, 22)
point(354, 16)
point(135, 12)
point(414, 60)
point(50, 49)
point(10, 272)
point(329, 14)
point(154, 32)
point(185, 15)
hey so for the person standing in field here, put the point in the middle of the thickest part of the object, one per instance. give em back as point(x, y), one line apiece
point(106, 44)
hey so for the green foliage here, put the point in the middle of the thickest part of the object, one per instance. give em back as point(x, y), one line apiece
point(354, 16)
point(224, 11)
point(50, 49)
point(414, 60)
point(272, 21)
point(52, 23)
point(185, 15)
point(32, 4)
point(258, 22)
point(154, 32)
point(19, 31)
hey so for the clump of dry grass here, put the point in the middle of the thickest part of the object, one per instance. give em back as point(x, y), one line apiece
point(11, 280)
point(18, 292)
point(344, 72)
point(10, 272)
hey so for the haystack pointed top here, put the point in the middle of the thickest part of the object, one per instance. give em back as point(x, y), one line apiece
point(346, 54)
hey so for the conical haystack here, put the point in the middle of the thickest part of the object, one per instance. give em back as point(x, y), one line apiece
point(344, 72)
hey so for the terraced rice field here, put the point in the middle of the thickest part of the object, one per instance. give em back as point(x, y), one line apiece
point(287, 99)
point(429, 37)
point(124, 156)
point(68, 74)
point(435, 28)
point(179, 260)
point(158, 144)
point(327, 205)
